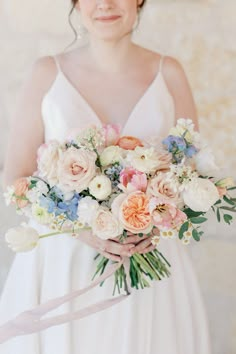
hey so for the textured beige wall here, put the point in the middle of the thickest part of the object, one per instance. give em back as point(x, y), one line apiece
point(201, 34)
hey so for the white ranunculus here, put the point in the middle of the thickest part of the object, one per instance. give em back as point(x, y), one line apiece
point(87, 208)
point(110, 155)
point(143, 159)
point(100, 187)
point(205, 162)
point(40, 214)
point(200, 194)
point(22, 238)
point(106, 225)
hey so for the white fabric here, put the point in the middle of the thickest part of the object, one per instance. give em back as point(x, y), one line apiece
point(167, 318)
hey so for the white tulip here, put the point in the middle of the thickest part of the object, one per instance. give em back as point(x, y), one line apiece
point(22, 238)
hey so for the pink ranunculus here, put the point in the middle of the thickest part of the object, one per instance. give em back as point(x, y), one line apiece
point(21, 187)
point(133, 180)
point(111, 133)
point(132, 211)
point(165, 215)
point(76, 168)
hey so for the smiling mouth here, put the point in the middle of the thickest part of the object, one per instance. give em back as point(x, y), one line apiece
point(108, 18)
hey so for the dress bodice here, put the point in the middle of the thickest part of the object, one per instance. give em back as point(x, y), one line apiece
point(64, 109)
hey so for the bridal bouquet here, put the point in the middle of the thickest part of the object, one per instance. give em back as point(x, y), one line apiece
point(114, 185)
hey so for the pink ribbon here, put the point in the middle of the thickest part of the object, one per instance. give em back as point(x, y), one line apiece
point(30, 321)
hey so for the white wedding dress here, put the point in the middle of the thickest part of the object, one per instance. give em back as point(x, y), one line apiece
point(167, 318)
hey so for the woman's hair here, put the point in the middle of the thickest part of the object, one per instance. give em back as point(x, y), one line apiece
point(74, 2)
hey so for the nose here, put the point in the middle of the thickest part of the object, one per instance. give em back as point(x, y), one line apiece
point(105, 4)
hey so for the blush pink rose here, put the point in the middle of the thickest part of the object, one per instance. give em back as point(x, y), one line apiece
point(160, 186)
point(76, 168)
point(111, 133)
point(21, 187)
point(133, 212)
point(133, 180)
point(129, 142)
point(165, 215)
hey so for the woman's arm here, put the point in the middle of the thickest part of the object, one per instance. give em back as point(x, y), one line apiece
point(180, 90)
point(26, 126)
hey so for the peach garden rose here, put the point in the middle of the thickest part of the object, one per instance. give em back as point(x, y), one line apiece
point(133, 212)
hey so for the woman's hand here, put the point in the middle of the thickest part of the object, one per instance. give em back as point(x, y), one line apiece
point(142, 244)
point(110, 248)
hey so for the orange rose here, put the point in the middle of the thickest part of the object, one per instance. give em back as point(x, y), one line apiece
point(21, 188)
point(129, 142)
point(133, 212)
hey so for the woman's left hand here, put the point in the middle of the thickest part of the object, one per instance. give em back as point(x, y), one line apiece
point(143, 243)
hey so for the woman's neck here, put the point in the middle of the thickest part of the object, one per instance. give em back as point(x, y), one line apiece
point(112, 56)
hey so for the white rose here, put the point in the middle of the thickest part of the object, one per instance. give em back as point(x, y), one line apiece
point(105, 225)
point(48, 157)
point(100, 187)
point(87, 208)
point(110, 155)
point(200, 194)
point(22, 238)
point(144, 160)
point(205, 162)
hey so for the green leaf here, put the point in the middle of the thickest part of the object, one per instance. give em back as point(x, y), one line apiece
point(228, 200)
point(196, 235)
point(218, 214)
point(231, 188)
point(183, 229)
point(190, 213)
point(233, 210)
point(228, 218)
point(198, 220)
point(218, 202)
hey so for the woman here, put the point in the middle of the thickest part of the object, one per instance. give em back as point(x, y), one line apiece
point(109, 80)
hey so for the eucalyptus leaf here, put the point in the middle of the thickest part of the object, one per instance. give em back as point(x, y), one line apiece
point(196, 235)
point(228, 218)
point(183, 229)
point(198, 220)
point(218, 214)
point(228, 200)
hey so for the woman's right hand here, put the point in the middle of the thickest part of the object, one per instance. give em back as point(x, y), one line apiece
point(110, 248)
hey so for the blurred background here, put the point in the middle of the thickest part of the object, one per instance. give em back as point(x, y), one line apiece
point(201, 35)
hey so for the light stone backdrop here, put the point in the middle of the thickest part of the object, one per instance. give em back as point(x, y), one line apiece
point(201, 34)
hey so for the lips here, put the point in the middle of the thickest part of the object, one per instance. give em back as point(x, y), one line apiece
point(107, 18)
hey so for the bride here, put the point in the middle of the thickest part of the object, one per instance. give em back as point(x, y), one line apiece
point(108, 80)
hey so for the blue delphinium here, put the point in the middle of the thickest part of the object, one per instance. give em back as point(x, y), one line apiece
point(113, 173)
point(54, 203)
point(179, 147)
point(174, 143)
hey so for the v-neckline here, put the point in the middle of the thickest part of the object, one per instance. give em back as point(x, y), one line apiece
point(92, 111)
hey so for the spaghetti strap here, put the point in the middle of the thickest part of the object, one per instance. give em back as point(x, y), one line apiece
point(57, 63)
point(161, 63)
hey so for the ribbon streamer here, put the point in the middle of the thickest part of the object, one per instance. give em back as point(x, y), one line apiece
point(30, 321)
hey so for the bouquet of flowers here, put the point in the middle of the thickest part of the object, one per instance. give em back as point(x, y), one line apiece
point(115, 185)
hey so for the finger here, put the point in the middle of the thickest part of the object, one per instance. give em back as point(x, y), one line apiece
point(119, 249)
point(111, 256)
point(142, 245)
point(148, 249)
point(134, 239)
